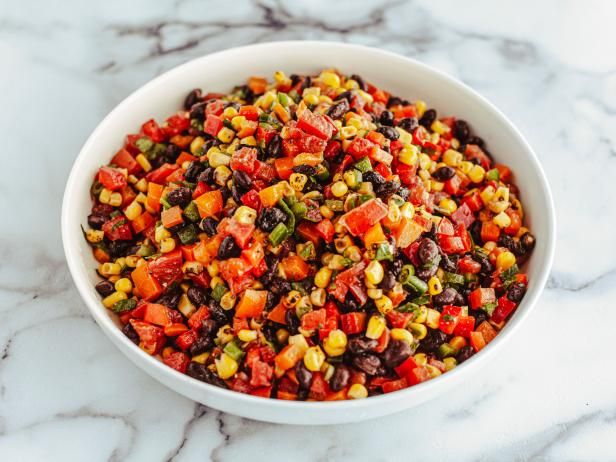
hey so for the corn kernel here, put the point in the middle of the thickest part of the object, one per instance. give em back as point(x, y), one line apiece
point(213, 268)
point(311, 99)
point(343, 243)
point(351, 84)
point(108, 269)
point(330, 79)
point(229, 112)
point(348, 132)
point(487, 194)
point(222, 174)
point(161, 233)
point(450, 363)
point(144, 162)
point(94, 235)
point(466, 166)
point(298, 181)
point(299, 341)
point(292, 298)
point(322, 278)
point(458, 342)
point(339, 188)
point(489, 246)
point(434, 286)
point(115, 199)
point(502, 220)
point(249, 141)
point(326, 212)
point(104, 196)
point(111, 300)
point(375, 294)
point(498, 206)
point(217, 158)
point(384, 304)
point(202, 358)
point(376, 327)
point(314, 358)
point(421, 107)
point(227, 301)
point(505, 260)
point(246, 335)
point(226, 366)
point(318, 297)
point(439, 127)
point(407, 210)
point(420, 359)
point(185, 306)
point(224, 334)
point(433, 371)
point(133, 211)
point(225, 135)
point(448, 206)
point(477, 174)
point(357, 391)
point(167, 245)
point(419, 331)
point(124, 285)
point(131, 261)
point(409, 155)
point(142, 185)
point(192, 267)
point(196, 146)
point(452, 158)
point(216, 281)
point(337, 262)
point(353, 253)
point(432, 318)
point(245, 215)
point(374, 272)
point(335, 343)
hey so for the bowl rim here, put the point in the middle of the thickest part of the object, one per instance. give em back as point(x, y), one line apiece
point(111, 330)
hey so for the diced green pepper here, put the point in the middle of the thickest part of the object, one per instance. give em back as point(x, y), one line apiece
point(191, 212)
point(284, 99)
point(418, 285)
point(299, 209)
point(384, 252)
point(278, 234)
point(144, 144)
point(493, 175)
point(489, 307)
point(219, 291)
point(233, 350)
point(453, 278)
point(406, 272)
point(188, 234)
point(363, 165)
point(124, 305)
point(146, 250)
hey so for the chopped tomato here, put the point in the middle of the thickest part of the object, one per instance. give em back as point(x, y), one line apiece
point(361, 147)
point(111, 178)
point(252, 304)
point(449, 318)
point(153, 131)
point(465, 326)
point(124, 159)
point(168, 267)
point(118, 229)
point(325, 229)
point(361, 218)
point(315, 124)
point(241, 232)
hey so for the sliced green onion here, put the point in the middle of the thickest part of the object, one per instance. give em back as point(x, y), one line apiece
point(418, 285)
point(406, 273)
point(299, 209)
point(278, 234)
point(233, 350)
point(335, 205)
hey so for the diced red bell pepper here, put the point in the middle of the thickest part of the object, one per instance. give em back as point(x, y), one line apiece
point(160, 175)
point(314, 320)
point(117, 229)
point(175, 329)
point(186, 340)
point(294, 268)
point(241, 232)
point(503, 309)
point(473, 201)
point(468, 265)
point(489, 231)
point(516, 223)
point(210, 203)
point(332, 149)
point(419, 375)
point(111, 178)
point(124, 159)
point(449, 318)
point(168, 267)
point(361, 147)
point(394, 385)
point(176, 124)
point(464, 215)
point(315, 124)
point(477, 341)
point(251, 304)
point(325, 229)
point(252, 200)
point(157, 314)
point(405, 368)
point(397, 319)
point(151, 338)
point(353, 323)
point(143, 222)
point(465, 326)
point(362, 218)
point(481, 296)
point(261, 375)
point(153, 131)
point(212, 125)
point(244, 159)
point(319, 389)
point(178, 361)
point(487, 331)
point(475, 152)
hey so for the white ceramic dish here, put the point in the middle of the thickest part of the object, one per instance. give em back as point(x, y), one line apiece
point(219, 72)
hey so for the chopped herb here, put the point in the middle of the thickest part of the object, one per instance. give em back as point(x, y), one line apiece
point(124, 305)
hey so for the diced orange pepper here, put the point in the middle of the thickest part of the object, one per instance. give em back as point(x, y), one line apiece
point(185, 157)
point(271, 195)
point(248, 128)
point(143, 222)
point(175, 329)
point(407, 232)
point(100, 255)
point(477, 341)
point(281, 113)
point(278, 314)
point(147, 285)
point(252, 304)
point(155, 190)
point(172, 216)
point(374, 235)
point(288, 357)
point(258, 85)
point(157, 314)
point(181, 141)
point(294, 268)
point(284, 167)
point(487, 331)
point(209, 203)
point(206, 250)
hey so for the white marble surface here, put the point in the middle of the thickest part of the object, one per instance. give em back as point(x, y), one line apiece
point(67, 394)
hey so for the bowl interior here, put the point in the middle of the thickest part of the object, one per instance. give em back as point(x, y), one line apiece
point(220, 72)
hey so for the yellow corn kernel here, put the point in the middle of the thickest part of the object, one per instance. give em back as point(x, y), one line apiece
point(487, 194)
point(409, 155)
point(458, 342)
point(439, 127)
point(402, 334)
point(353, 253)
point(335, 343)
point(132, 179)
point(104, 196)
point(375, 294)
point(452, 158)
point(436, 186)
point(330, 79)
point(337, 262)
point(434, 286)
point(298, 181)
point(202, 358)
point(115, 199)
point(216, 281)
point(131, 261)
point(450, 363)
point(311, 99)
point(505, 260)
point(502, 220)
point(466, 166)
point(217, 158)
point(213, 268)
point(299, 341)
point(420, 359)
point(322, 278)
point(94, 235)
point(489, 246)
point(339, 188)
point(225, 135)
point(249, 141)
point(407, 210)
point(111, 300)
point(421, 107)
point(366, 96)
point(226, 366)
point(419, 331)
point(245, 215)
point(109, 269)
point(318, 297)
point(326, 211)
point(314, 358)
point(221, 174)
point(432, 318)
point(161, 233)
point(376, 327)
point(348, 132)
point(433, 371)
point(133, 211)
point(448, 206)
point(246, 335)
point(498, 206)
point(124, 285)
point(144, 162)
point(292, 298)
point(374, 272)
point(351, 84)
point(229, 112)
point(355, 122)
point(185, 306)
point(196, 146)
point(477, 174)
point(227, 301)
point(357, 391)
point(167, 245)
point(384, 304)
point(424, 161)
point(142, 185)
point(501, 194)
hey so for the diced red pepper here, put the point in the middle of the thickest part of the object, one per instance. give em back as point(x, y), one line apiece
point(503, 309)
point(362, 218)
point(117, 229)
point(353, 323)
point(186, 340)
point(111, 178)
point(212, 125)
point(473, 201)
point(244, 159)
point(160, 175)
point(449, 318)
point(465, 326)
point(468, 265)
point(153, 131)
point(315, 124)
point(325, 229)
point(124, 159)
point(481, 296)
point(489, 231)
point(361, 147)
point(151, 338)
point(464, 215)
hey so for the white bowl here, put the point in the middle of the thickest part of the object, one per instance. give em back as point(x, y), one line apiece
point(220, 71)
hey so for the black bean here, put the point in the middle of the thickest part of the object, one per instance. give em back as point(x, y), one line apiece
point(280, 286)
point(242, 180)
point(389, 281)
point(192, 98)
point(197, 295)
point(389, 132)
point(368, 363)
point(304, 376)
point(236, 194)
point(374, 177)
point(274, 148)
point(119, 249)
point(461, 130)
point(510, 243)
point(359, 345)
point(201, 372)
point(360, 81)
point(426, 272)
point(350, 304)
point(271, 300)
point(443, 173)
point(201, 345)
point(217, 313)
point(516, 292)
point(476, 141)
point(171, 298)
point(486, 265)
point(408, 124)
point(105, 288)
point(432, 341)
point(449, 262)
point(344, 95)
point(428, 250)
point(207, 176)
point(465, 353)
point(446, 297)
point(396, 352)
point(304, 169)
point(528, 241)
point(340, 378)
point(460, 300)
point(292, 321)
point(479, 315)
point(209, 327)
point(179, 196)
point(336, 111)
point(193, 171)
point(229, 249)
point(396, 267)
point(428, 118)
point(172, 152)
point(130, 332)
point(208, 226)
point(387, 189)
point(475, 230)
point(96, 221)
point(386, 118)
point(269, 217)
point(397, 101)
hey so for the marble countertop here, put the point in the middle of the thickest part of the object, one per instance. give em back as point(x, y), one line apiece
point(66, 393)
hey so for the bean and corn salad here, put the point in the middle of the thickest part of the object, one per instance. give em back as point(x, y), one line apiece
point(314, 238)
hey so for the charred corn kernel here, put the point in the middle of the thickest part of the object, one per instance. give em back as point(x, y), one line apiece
point(314, 358)
point(505, 260)
point(109, 269)
point(421, 107)
point(246, 335)
point(458, 342)
point(196, 146)
point(226, 366)
point(282, 335)
point(229, 112)
point(167, 245)
point(192, 267)
point(224, 334)
point(384, 304)
point(227, 301)
point(439, 127)
point(104, 196)
point(498, 206)
point(353, 253)
point(339, 188)
point(326, 212)
point(318, 297)
point(245, 215)
point(142, 185)
point(403, 335)
point(161, 233)
point(487, 194)
point(330, 79)
point(292, 298)
point(419, 331)
point(376, 327)
point(131, 261)
point(213, 268)
point(299, 341)
point(466, 166)
point(434, 286)
point(225, 135)
point(311, 99)
point(298, 181)
point(202, 358)
point(357, 391)
point(433, 371)
point(322, 278)
point(348, 132)
point(124, 285)
point(221, 175)
point(407, 210)
point(375, 294)
point(144, 162)
point(115, 297)
point(452, 158)
point(432, 318)
point(185, 306)
point(217, 158)
point(115, 200)
point(420, 359)
point(477, 173)
point(450, 363)
point(409, 155)
point(374, 272)
point(133, 211)
point(448, 206)
point(501, 194)
point(94, 235)
point(502, 220)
